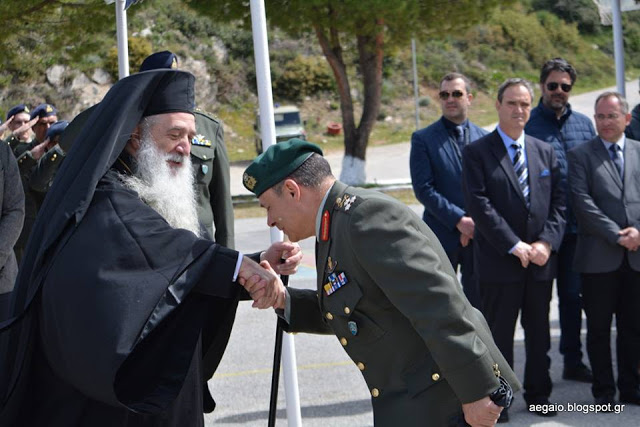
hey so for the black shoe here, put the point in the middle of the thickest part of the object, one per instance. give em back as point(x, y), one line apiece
point(543, 408)
point(579, 372)
point(632, 398)
point(606, 402)
point(504, 416)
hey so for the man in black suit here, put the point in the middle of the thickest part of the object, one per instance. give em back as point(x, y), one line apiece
point(604, 177)
point(511, 189)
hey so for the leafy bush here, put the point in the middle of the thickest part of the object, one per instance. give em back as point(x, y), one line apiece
point(139, 49)
point(303, 76)
point(582, 12)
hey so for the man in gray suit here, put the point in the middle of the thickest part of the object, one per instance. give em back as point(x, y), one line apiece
point(604, 178)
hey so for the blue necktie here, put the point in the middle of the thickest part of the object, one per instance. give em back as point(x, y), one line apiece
point(521, 172)
point(460, 137)
point(615, 158)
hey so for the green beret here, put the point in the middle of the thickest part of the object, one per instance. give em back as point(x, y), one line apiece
point(278, 162)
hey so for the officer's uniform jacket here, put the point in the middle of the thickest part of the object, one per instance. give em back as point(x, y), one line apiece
point(211, 170)
point(388, 292)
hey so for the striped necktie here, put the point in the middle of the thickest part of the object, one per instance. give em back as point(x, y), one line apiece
point(615, 158)
point(521, 172)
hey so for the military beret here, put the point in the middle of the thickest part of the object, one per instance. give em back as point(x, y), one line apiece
point(44, 110)
point(20, 108)
point(278, 162)
point(57, 128)
point(164, 59)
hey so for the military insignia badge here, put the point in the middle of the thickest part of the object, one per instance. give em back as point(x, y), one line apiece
point(336, 281)
point(324, 228)
point(353, 327)
point(26, 109)
point(339, 202)
point(205, 169)
point(49, 109)
point(249, 181)
point(331, 265)
point(174, 63)
point(348, 202)
point(200, 140)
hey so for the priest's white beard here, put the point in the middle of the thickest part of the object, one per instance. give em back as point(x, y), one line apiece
point(168, 191)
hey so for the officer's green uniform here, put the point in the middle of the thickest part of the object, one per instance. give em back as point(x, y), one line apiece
point(22, 147)
point(211, 172)
point(26, 164)
point(387, 290)
point(13, 142)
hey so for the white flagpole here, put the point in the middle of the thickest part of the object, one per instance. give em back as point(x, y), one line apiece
point(268, 133)
point(618, 45)
point(123, 47)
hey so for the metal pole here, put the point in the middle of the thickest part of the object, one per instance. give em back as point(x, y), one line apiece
point(618, 46)
point(268, 131)
point(415, 82)
point(123, 47)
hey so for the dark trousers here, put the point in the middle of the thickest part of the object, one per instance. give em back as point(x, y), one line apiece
point(463, 257)
point(502, 302)
point(605, 294)
point(569, 303)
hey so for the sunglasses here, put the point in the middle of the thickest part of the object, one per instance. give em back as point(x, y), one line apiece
point(444, 95)
point(553, 86)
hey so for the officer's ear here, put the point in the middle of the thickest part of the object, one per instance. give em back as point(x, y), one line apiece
point(291, 189)
point(133, 145)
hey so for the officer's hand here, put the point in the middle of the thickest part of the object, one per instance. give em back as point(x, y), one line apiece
point(285, 257)
point(464, 240)
point(38, 150)
point(26, 126)
point(481, 413)
point(261, 298)
point(5, 125)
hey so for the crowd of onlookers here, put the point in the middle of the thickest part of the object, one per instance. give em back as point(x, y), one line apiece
point(543, 197)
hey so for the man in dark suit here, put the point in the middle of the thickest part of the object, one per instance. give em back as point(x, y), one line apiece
point(511, 189)
point(385, 289)
point(436, 174)
point(604, 177)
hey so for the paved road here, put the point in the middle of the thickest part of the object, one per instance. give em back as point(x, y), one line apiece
point(389, 164)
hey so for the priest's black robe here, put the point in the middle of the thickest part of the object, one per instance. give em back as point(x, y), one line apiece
point(118, 324)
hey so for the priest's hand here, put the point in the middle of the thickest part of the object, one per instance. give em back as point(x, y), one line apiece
point(261, 282)
point(285, 257)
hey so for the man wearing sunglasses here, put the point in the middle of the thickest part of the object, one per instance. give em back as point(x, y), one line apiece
point(436, 171)
point(554, 122)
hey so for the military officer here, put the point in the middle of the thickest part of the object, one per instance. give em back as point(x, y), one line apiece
point(37, 169)
point(19, 123)
point(386, 290)
point(43, 116)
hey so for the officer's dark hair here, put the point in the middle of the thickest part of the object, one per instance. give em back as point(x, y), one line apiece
point(310, 174)
point(452, 76)
point(624, 105)
point(557, 64)
point(516, 81)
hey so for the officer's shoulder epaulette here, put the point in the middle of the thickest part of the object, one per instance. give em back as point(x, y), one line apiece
point(207, 114)
point(346, 203)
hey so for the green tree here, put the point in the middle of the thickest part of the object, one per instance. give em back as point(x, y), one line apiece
point(354, 36)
